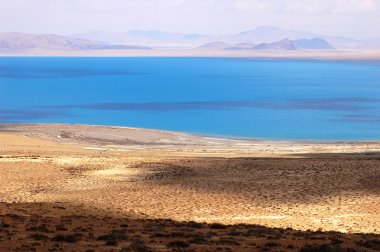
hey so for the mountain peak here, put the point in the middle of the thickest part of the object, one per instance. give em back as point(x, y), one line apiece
point(313, 43)
point(284, 44)
point(262, 30)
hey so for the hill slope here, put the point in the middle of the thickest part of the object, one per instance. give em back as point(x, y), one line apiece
point(314, 43)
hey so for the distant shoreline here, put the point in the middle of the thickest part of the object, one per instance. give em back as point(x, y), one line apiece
point(191, 134)
point(179, 143)
point(257, 54)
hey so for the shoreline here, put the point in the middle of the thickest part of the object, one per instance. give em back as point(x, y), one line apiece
point(348, 54)
point(200, 135)
point(121, 138)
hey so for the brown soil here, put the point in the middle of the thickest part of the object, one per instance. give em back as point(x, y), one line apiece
point(63, 227)
point(144, 180)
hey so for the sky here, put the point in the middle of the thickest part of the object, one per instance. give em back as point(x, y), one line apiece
point(351, 18)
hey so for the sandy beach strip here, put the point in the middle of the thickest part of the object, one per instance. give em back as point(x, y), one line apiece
point(129, 138)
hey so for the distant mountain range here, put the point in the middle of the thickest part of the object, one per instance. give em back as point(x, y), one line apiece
point(147, 38)
point(261, 34)
point(260, 38)
point(21, 42)
point(285, 44)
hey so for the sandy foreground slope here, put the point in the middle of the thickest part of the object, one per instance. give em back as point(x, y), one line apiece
point(161, 174)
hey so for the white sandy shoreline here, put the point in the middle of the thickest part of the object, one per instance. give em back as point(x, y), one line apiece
point(178, 143)
point(211, 137)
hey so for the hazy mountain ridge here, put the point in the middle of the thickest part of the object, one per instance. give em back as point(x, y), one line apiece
point(268, 34)
point(147, 38)
point(284, 44)
point(242, 46)
point(260, 38)
point(314, 43)
point(22, 41)
point(259, 35)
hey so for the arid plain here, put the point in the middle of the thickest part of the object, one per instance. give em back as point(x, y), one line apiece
point(147, 175)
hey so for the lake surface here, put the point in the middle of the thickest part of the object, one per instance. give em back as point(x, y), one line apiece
point(252, 98)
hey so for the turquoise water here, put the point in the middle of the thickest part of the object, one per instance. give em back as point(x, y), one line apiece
point(254, 98)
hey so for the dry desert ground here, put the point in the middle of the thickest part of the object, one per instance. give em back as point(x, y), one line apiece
point(101, 188)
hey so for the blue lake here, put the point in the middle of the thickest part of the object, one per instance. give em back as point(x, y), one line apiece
point(252, 98)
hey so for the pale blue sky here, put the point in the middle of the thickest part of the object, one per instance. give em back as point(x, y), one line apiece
point(354, 18)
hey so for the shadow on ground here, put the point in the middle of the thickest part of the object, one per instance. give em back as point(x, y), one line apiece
point(63, 227)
